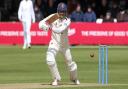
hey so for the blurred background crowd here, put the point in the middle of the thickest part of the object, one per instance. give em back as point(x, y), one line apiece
point(78, 10)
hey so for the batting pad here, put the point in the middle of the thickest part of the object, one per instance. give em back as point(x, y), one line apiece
point(73, 71)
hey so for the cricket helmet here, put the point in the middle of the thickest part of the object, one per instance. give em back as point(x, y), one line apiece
point(62, 7)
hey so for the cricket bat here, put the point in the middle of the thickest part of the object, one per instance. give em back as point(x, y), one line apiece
point(53, 18)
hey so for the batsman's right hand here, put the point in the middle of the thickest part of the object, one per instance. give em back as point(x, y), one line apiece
point(43, 26)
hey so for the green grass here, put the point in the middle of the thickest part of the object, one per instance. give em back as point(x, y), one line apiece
point(29, 66)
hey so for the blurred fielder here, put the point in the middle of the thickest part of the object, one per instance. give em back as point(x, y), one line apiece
point(26, 15)
point(59, 25)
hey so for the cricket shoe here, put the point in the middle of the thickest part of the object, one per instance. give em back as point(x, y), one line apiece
point(55, 82)
point(24, 47)
point(76, 82)
point(29, 46)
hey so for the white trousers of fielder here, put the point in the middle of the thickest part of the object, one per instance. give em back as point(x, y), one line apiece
point(27, 34)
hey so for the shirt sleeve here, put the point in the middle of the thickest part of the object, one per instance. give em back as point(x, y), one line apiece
point(20, 12)
point(43, 25)
point(32, 12)
point(65, 24)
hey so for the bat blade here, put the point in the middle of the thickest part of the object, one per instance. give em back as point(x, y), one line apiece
point(53, 18)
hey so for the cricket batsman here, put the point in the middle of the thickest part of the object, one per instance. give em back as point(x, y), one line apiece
point(59, 23)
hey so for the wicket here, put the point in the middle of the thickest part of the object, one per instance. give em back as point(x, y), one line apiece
point(103, 65)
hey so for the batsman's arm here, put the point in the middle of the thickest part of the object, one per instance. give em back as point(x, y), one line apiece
point(44, 25)
point(62, 27)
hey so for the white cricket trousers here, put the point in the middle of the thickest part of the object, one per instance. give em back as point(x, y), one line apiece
point(27, 34)
point(50, 58)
